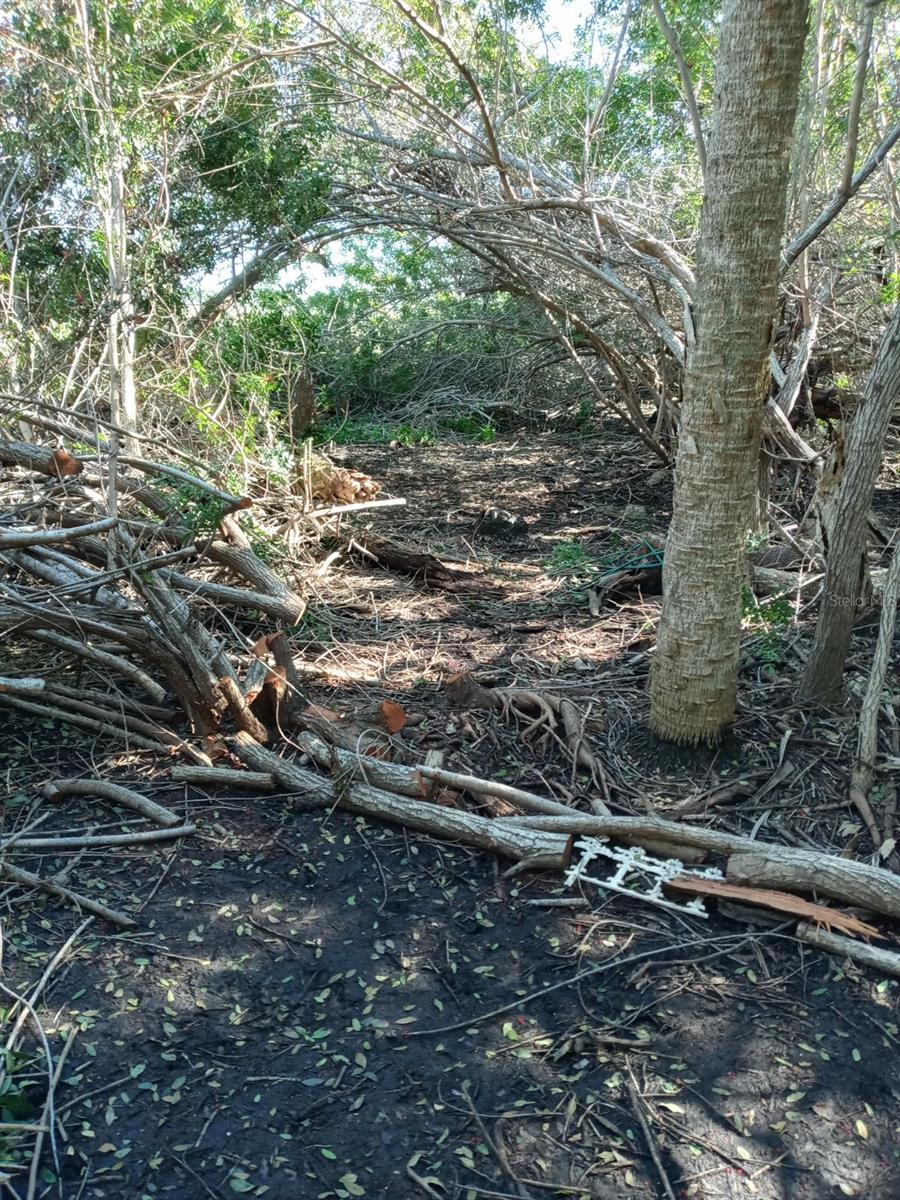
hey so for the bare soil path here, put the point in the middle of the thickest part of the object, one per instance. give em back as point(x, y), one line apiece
point(273, 1026)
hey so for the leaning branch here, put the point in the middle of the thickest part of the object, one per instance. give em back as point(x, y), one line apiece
point(795, 248)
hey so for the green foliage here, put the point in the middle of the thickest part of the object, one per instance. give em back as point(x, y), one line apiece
point(568, 558)
point(890, 291)
point(196, 511)
point(474, 427)
point(363, 431)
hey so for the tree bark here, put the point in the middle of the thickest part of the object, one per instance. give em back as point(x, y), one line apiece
point(694, 681)
point(847, 543)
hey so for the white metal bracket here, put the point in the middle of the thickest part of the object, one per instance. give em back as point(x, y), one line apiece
point(635, 873)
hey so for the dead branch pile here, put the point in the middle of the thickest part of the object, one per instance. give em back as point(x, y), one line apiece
point(136, 588)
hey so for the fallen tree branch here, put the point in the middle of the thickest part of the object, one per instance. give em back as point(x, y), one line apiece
point(862, 775)
point(487, 787)
point(532, 847)
point(28, 686)
point(391, 777)
point(12, 538)
point(73, 718)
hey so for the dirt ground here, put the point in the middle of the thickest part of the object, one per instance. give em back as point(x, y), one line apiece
point(314, 1005)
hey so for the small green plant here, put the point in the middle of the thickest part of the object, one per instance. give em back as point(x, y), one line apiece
point(585, 413)
point(568, 558)
point(769, 619)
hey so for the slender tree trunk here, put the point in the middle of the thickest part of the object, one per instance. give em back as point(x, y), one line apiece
point(694, 681)
point(844, 554)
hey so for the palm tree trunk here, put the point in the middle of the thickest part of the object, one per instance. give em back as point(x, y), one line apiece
point(694, 682)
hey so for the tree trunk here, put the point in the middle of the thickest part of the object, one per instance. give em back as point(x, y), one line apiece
point(844, 554)
point(694, 680)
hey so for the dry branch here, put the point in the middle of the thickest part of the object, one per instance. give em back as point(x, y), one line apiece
point(44, 537)
point(27, 879)
point(115, 794)
point(71, 718)
point(52, 845)
point(28, 686)
point(526, 801)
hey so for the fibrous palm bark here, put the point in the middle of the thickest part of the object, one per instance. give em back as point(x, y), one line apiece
point(694, 681)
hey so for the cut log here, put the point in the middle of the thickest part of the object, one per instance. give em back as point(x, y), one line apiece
point(852, 883)
point(885, 962)
point(259, 781)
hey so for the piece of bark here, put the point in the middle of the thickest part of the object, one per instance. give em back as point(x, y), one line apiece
point(115, 794)
point(783, 902)
point(259, 781)
point(886, 962)
point(466, 828)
